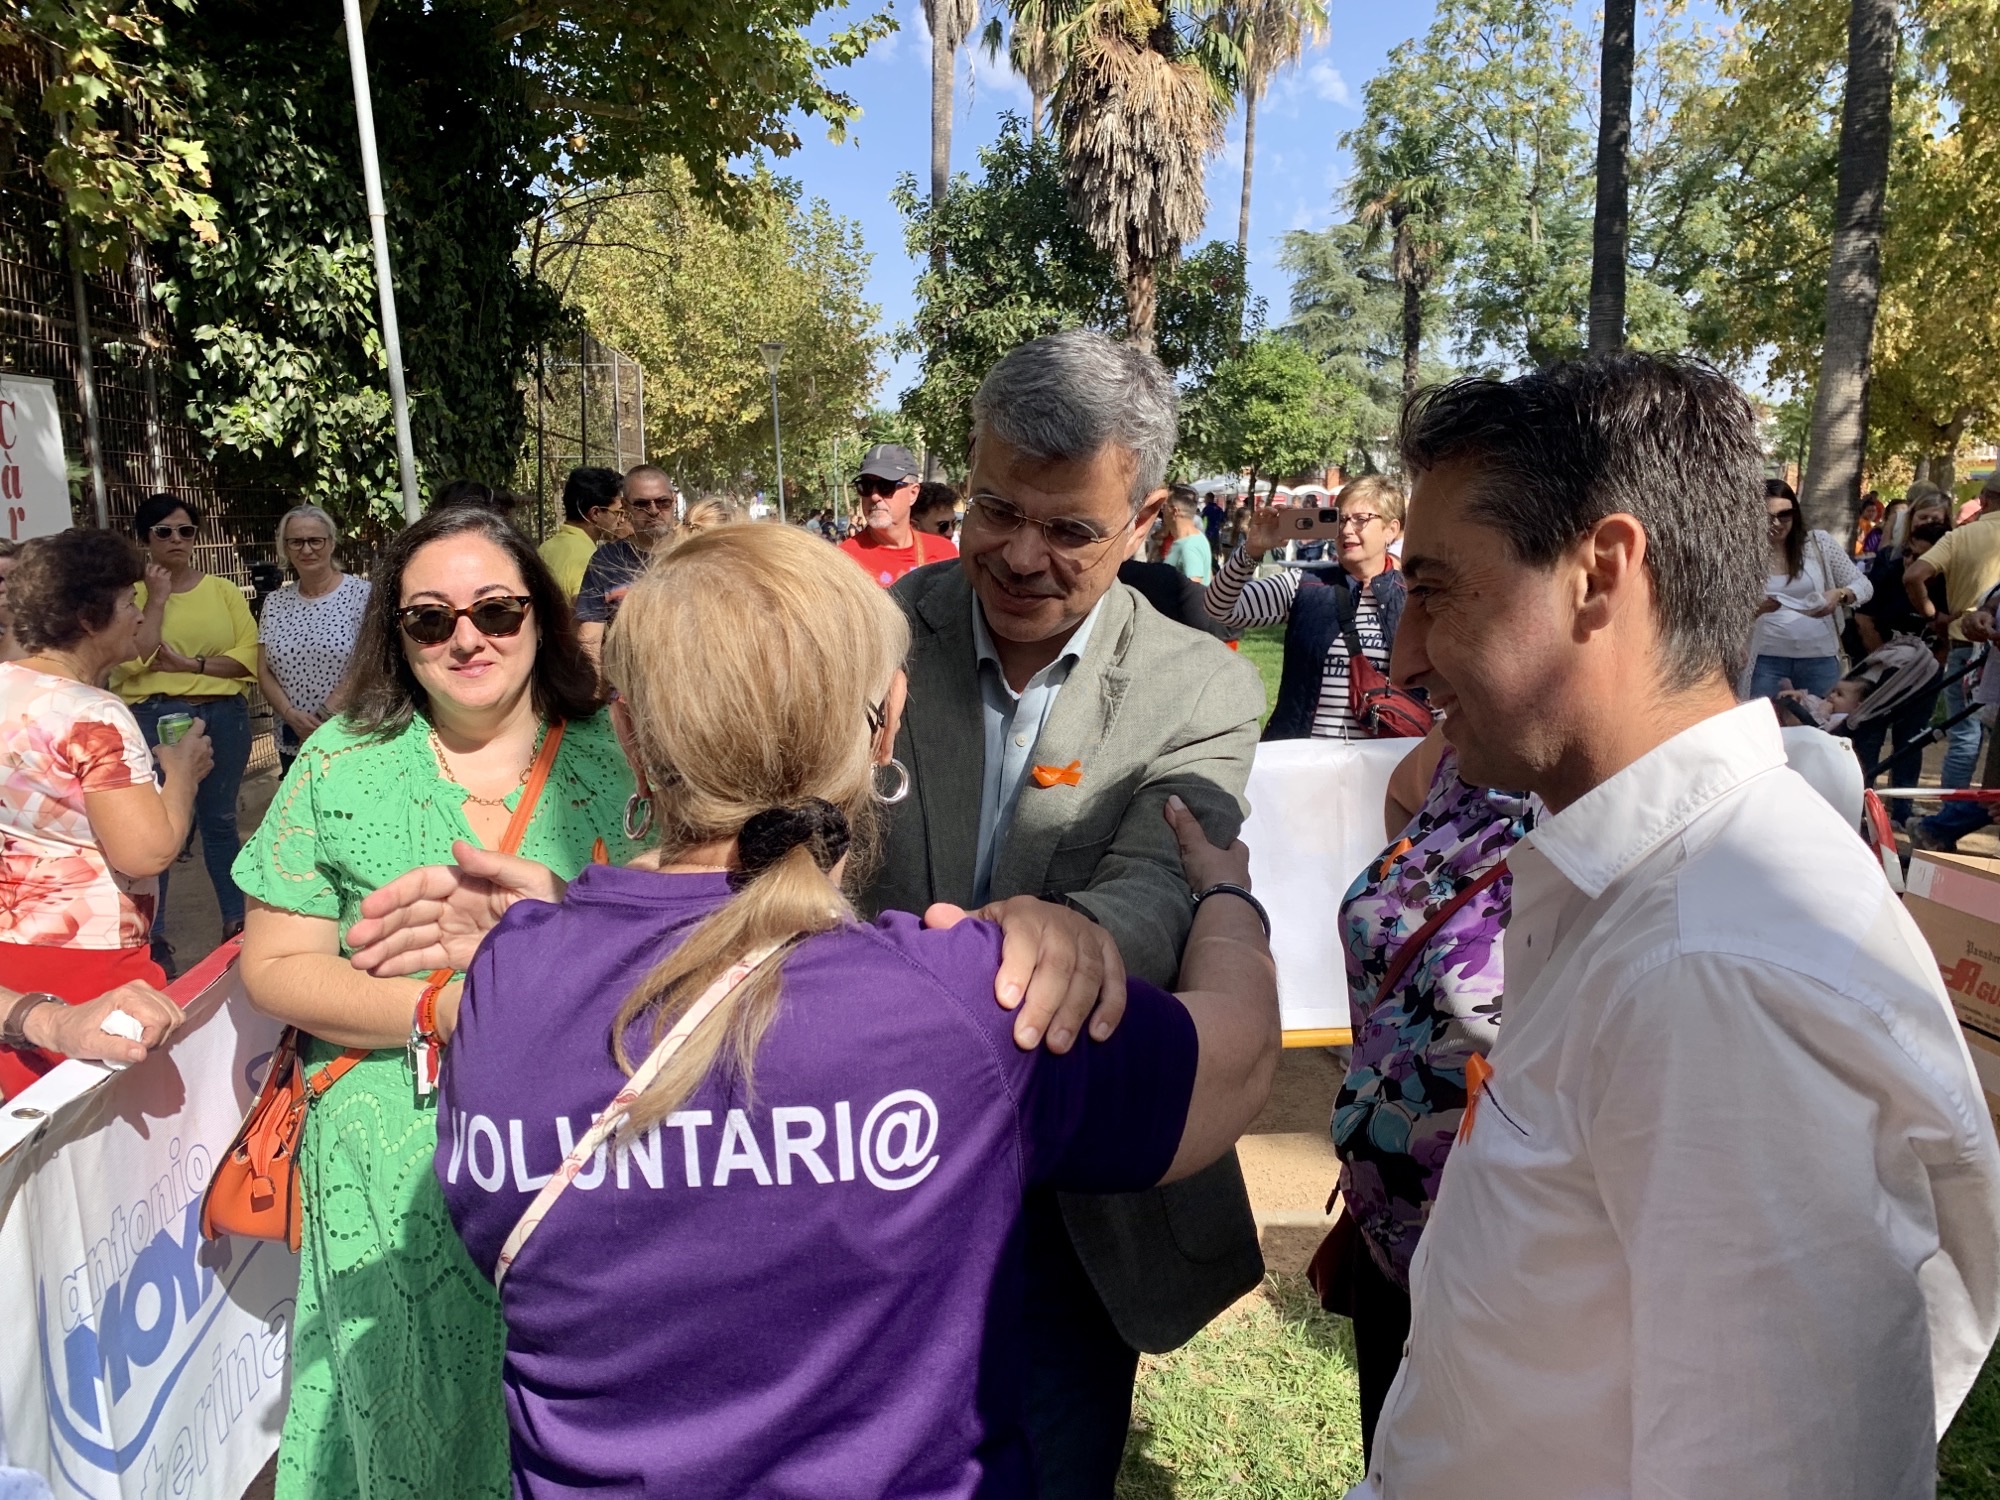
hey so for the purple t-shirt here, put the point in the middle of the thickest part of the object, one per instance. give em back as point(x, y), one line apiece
point(811, 1289)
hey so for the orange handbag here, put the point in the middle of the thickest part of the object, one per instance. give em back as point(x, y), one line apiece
point(255, 1189)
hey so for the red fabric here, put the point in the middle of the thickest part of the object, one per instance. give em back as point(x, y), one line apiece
point(75, 975)
point(886, 564)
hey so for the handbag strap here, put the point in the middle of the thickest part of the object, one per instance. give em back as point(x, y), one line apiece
point(641, 1079)
point(1414, 943)
point(510, 843)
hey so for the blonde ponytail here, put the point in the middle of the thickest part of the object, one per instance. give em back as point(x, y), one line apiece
point(751, 659)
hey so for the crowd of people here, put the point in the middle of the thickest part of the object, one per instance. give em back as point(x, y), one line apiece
point(785, 1010)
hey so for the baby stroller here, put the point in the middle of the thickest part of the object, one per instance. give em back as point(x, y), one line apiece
point(1902, 668)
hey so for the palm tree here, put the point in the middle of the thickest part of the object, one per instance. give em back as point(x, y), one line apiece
point(1270, 34)
point(1399, 189)
point(1031, 52)
point(1145, 87)
point(951, 21)
point(1832, 489)
point(1610, 227)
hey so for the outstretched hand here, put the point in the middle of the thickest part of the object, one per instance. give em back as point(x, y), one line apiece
point(1058, 968)
point(435, 916)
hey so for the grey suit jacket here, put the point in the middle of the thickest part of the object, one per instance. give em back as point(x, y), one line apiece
point(1151, 709)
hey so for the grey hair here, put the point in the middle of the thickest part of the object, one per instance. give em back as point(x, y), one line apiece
point(1065, 396)
point(308, 513)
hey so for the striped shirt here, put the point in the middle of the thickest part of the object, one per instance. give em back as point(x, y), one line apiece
point(1243, 602)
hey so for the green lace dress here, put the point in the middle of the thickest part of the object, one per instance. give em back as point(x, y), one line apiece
point(397, 1339)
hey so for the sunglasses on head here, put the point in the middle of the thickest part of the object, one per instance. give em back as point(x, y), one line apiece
point(498, 615)
point(871, 485)
point(168, 533)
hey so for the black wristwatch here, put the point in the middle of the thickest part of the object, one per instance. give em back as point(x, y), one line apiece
point(13, 1032)
point(1227, 888)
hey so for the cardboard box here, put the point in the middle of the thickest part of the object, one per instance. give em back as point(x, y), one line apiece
point(1955, 900)
point(1986, 1063)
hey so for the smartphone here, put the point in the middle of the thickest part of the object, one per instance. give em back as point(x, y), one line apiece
point(1304, 522)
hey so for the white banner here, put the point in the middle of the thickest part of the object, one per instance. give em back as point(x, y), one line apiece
point(34, 487)
point(142, 1362)
point(1315, 822)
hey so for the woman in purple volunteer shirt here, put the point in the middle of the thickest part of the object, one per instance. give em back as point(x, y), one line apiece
point(796, 1268)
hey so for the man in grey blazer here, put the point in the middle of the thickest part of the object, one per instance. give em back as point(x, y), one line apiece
point(1051, 713)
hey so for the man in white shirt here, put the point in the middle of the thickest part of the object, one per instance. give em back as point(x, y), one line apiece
point(1724, 1219)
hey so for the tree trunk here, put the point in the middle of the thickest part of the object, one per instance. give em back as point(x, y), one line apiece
point(1038, 102)
point(1832, 491)
point(1253, 489)
point(944, 65)
point(1142, 297)
point(1610, 228)
point(1249, 163)
point(1413, 308)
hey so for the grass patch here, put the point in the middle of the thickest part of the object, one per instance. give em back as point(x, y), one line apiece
point(1264, 649)
point(1260, 1405)
point(1969, 1457)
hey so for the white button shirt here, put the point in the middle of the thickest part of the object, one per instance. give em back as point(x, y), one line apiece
point(1728, 1219)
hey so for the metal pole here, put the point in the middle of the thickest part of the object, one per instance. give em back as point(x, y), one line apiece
point(87, 375)
point(777, 445)
point(541, 443)
point(583, 400)
point(378, 227)
point(617, 413)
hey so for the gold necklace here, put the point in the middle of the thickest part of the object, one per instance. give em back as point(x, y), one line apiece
point(437, 749)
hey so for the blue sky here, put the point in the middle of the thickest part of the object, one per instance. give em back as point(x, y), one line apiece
point(1299, 164)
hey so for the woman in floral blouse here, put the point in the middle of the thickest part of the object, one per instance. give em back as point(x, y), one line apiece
point(1398, 1110)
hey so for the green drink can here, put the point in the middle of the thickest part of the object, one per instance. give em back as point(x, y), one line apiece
point(174, 727)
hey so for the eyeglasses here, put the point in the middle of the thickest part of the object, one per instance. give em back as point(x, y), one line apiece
point(1782, 515)
point(1360, 521)
point(168, 533)
point(307, 543)
point(498, 615)
point(870, 485)
point(1064, 533)
point(665, 502)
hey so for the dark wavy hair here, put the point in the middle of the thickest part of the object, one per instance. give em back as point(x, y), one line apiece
point(381, 693)
point(68, 586)
point(1795, 534)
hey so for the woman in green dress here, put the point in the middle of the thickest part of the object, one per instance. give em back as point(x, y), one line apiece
point(467, 660)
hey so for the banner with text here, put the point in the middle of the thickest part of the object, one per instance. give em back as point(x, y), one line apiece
point(143, 1362)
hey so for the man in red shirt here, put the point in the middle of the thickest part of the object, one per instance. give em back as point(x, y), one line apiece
point(889, 546)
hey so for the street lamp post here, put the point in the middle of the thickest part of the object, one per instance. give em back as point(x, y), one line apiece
point(773, 350)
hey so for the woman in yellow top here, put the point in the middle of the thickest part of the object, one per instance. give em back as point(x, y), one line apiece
point(198, 656)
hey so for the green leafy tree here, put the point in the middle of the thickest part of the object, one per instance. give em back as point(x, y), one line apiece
point(689, 295)
point(1767, 146)
point(110, 124)
point(1348, 312)
point(1018, 265)
point(1271, 410)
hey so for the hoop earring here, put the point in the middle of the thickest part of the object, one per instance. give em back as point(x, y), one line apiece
point(633, 803)
point(890, 799)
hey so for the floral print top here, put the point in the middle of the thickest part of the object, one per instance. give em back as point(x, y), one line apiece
point(60, 740)
point(1398, 1109)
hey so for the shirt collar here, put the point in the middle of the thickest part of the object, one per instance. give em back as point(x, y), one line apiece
point(1072, 651)
point(1617, 823)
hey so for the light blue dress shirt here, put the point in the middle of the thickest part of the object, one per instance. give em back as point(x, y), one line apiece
point(1013, 723)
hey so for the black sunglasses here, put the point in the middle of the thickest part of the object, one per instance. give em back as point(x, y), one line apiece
point(168, 533)
point(870, 485)
point(500, 615)
point(1783, 515)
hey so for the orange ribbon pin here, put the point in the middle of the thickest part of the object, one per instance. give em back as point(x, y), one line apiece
point(1477, 1071)
point(1069, 775)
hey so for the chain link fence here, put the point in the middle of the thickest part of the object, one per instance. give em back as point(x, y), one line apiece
point(586, 405)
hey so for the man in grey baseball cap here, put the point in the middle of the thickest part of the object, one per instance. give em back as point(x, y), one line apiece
point(889, 546)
